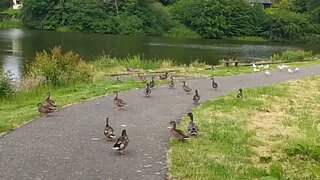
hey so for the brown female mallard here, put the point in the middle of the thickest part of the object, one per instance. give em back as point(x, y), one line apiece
point(49, 103)
point(147, 91)
point(142, 78)
point(192, 127)
point(108, 131)
point(240, 95)
point(177, 133)
point(214, 84)
point(171, 84)
point(164, 76)
point(152, 83)
point(186, 88)
point(122, 142)
point(196, 97)
point(119, 102)
point(44, 110)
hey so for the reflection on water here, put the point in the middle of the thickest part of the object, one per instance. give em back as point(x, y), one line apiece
point(18, 47)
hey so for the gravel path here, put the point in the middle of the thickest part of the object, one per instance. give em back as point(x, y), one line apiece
point(70, 143)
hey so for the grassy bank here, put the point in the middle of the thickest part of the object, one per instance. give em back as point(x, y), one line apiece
point(272, 133)
point(6, 24)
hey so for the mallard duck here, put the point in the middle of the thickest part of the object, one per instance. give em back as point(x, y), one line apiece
point(196, 97)
point(147, 90)
point(118, 80)
point(49, 103)
point(171, 84)
point(119, 102)
point(192, 127)
point(164, 76)
point(186, 88)
point(108, 131)
point(240, 95)
point(152, 83)
point(214, 84)
point(177, 133)
point(122, 142)
point(142, 78)
point(43, 110)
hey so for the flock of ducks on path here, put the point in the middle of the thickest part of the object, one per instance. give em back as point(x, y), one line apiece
point(122, 142)
point(280, 67)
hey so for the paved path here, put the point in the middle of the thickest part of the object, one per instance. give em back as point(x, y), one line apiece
point(70, 144)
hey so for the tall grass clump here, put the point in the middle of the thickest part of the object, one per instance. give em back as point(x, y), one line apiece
point(6, 87)
point(57, 68)
point(293, 56)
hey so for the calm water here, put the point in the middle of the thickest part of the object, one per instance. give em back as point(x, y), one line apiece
point(18, 47)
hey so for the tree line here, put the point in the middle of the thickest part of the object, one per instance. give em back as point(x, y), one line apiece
point(287, 19)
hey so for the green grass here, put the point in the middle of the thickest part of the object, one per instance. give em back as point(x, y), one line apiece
point(250, 38)
point(5, 24)
point(273, 133)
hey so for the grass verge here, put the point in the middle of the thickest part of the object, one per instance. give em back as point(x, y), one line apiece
point(273, 133)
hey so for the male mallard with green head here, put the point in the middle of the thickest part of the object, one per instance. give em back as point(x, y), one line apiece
point(108, 131)
point(177, 133)
point(119, 102)
point(122, 142)
point(196, 97)
point(186, 88)
point(192, 127)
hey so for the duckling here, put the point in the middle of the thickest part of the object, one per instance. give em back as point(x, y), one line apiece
point(152, 83)
point(122, 142)
point(147, 90)
point(177, 133)
point(119, 102)
point(43, 110)
point(214, 84)
point(192, 127)
point(186, 88)
point(171, 84)
point(196, 97)
point(240, 95)
point(164, 76)
point(49, 103)
point(118, 80)
point(108, 131)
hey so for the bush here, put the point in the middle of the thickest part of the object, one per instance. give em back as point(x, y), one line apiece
point(292, 55)
point(58, 68)
point(6, 87)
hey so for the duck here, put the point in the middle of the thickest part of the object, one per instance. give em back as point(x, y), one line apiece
point(254, 65)
point(177, 133)
point(152, 83)
point(214, 84)
point(147, 91)
point(119, 102)
point(192, 127)
point(118, 80)
point(186, 88)
point(240, 95)
point(196, 97)
point(49, 103)
point(164, 76)
point(268, 73)
point(108, 131)
point(171, 84)
point(43, 110)
point(290, 71)
point(267, 66)
point(122, 142)
point(142, 78)
point(296, 69)
point(256, 70)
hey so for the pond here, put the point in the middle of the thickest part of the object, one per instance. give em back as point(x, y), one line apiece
point(18, 47)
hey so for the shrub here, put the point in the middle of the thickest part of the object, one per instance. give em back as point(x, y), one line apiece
point(292, 55)
point(58, 68)
point(6, 87)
